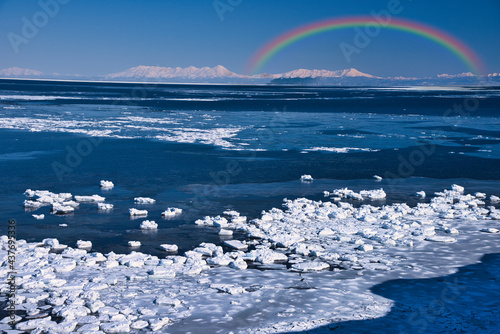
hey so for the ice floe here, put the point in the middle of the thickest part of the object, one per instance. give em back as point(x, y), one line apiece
point(134, 244)
point(149, 225)
point(83, 244)
point(144, 200)
point(169, 247)
point(106, 184)
point(93, 198)
point(104, 206)
point(137, 213)
point(340, 149)
point(306, 178)
point(420, 194)
point(171, 212)
point(79, 291)
point(39, 217)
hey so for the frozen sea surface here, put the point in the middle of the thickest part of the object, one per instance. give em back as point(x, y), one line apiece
point(231, 159)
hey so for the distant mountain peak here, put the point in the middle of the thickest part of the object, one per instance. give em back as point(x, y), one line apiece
point(158, 72)
point(461, 75)
point(304, 73)
point(19, 72)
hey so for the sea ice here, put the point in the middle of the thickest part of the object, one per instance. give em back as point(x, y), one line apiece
point(62, 209)
point(29, 204)
point(106, 184)
point(93, 198)
point(144, 200)
point(39, 217)
point(83, 244)
point(456, 187)
point(490, 230)
point(307, 235)
point(149, 225)
point(225, 232)
point(438, 238)
point(134, 244)
point(170, 212)
point(420, 194)
point(310, 266)
point(377, 178)
point(104, 206)
point(135, 212)
point(306, 178)
point(236, 244)
point(169, 247)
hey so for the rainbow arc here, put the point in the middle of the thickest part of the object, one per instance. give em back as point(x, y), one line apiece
point(451, 43)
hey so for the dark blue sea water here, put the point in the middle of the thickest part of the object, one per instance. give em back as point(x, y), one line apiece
point(207, 148)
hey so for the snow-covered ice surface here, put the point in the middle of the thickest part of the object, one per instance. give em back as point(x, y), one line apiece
point(323, 263)
point(354, 260)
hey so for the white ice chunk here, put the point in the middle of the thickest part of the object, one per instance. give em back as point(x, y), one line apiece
point(93, 198)
point(326, 232)
point(144, 200)
point(490, 230)
point(438, 238)
point(135, 212)
point(365, 247)
point(456, 187)
point(238, 264)
point(377, 178)
point(149, 225)
point(310, 266)
point(134, 244)
point(106, 184)
point(236, 244)
point(32, 204)
point(62, 209)
point(104, 206)
point(306, 178)
point(225, 232)
point(83, 244)
point(170, 212)
point(115, 327)
point(420, 194)
point(39, 217)
point(169, 247)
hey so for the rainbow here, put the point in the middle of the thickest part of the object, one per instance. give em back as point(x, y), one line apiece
point(462, 51)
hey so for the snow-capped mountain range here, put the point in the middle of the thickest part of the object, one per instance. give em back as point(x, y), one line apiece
point(191, 72)
point(19, 72)
point(219, 71)
point(220, 74)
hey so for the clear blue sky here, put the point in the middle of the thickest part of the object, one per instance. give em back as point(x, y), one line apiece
point(94, 37)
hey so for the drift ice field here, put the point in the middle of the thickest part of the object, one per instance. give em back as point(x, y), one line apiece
point(249, 209)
